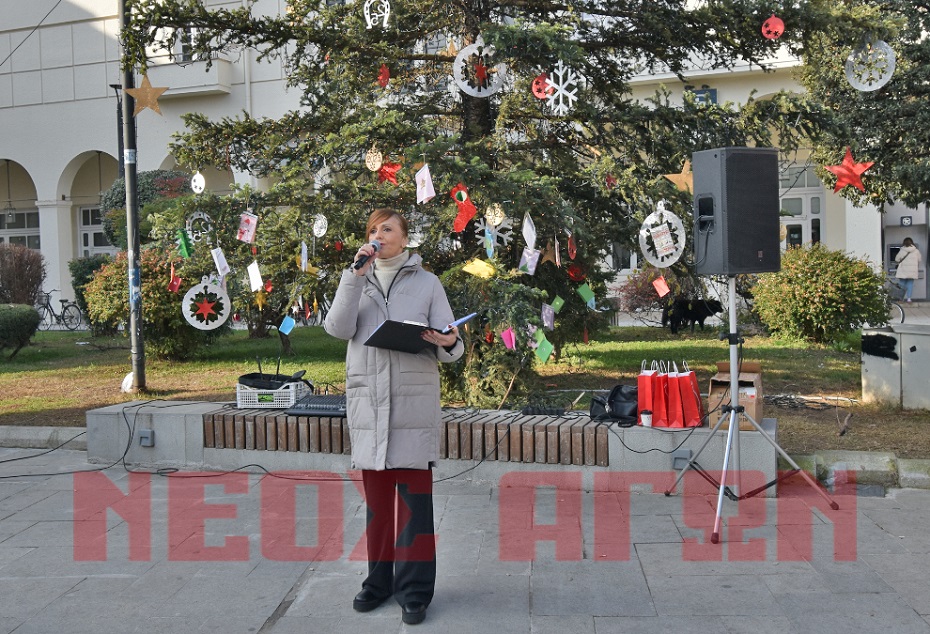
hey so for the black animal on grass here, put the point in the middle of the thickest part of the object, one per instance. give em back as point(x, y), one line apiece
point(683, 312)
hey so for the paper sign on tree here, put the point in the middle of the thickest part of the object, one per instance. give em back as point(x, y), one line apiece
point(509, 338)
point(255, 277)
point(219, 259)
point(529, 260)
point(548, 317)
point(529, 231)
point(247, 224)
point(425, 191)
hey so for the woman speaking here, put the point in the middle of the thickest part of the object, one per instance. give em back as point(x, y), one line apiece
point(392, 405)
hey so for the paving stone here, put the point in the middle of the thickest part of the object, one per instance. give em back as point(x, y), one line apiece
point(843, 613)
point(659, 625)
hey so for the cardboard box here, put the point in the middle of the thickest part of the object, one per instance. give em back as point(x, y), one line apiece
point(750, 393)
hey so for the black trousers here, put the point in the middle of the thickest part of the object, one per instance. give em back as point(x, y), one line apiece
point(400, 538)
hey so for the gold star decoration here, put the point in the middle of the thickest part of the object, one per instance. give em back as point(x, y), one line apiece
point(548, 254)
point(685, 180)
point(146, 96)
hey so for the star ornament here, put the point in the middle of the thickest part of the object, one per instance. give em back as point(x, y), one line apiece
point(685, 180)
point(146, 96)
point(205, 308)
point(849, 172)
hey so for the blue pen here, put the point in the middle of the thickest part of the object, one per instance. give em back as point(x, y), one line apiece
point(457, 323)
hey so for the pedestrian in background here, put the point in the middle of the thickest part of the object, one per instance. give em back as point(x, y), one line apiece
point(908, 260)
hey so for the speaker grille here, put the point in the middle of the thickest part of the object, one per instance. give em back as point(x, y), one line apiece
point(751, 207)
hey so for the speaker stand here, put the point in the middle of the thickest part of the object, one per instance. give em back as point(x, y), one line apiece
point(733, 412)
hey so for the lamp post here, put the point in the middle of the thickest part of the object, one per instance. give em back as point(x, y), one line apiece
point(132, 217)
point(118, 89)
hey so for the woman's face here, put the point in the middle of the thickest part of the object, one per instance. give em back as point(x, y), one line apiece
point(391, 236)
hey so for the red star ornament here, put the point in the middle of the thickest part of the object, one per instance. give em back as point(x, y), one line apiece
point(467, 209)
point(481, 73)
point(849, 172)
point(205, 308)
point(388, 172)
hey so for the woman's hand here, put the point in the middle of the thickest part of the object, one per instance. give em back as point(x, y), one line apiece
point(446, 340)
point(365, 250)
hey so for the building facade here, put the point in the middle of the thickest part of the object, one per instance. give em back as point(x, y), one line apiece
point(59, 113)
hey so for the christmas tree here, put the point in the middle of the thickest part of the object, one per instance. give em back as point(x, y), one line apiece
point(522, 109)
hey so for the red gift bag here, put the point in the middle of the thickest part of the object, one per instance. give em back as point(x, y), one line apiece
point(645, 385)
point(691, 403)
point(676, 414)
point(660, 398)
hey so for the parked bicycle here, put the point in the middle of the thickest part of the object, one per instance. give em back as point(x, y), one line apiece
point(69, 317)
point(895, 292)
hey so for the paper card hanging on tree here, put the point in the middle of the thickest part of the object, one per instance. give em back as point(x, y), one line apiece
point(544, 350)
point(384, 76)
point(247, 224)
point(175, 284)
point(479, 268)
point(467, 209)
point(219, 259)
point(425, 191)
point(255, 277)
point(303, 256)
point(557, 303)
point(538, 334)
point(287, 325)
point(548, 317)
point(184, 243)
point(529, 231)
point(509, 338)
point(586, 293)
point(529, 260)
point(661, 286)
point(572, 246)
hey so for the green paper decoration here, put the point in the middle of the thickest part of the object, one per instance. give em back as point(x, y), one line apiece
point(586, 293)
point(557, 303)
point(184, 244)
point(544, 350)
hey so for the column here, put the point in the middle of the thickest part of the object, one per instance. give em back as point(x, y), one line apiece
point(57, 233)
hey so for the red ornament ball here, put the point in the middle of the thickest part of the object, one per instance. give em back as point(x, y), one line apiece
point(773, 28)
point(541, 87)
point(338, 245)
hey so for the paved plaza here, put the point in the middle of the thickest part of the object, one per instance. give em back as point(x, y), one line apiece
point(215, 555)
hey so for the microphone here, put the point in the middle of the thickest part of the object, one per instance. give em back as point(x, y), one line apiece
point(362, 260)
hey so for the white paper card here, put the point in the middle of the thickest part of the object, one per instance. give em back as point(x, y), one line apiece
point(255, 277)
point(219, 259)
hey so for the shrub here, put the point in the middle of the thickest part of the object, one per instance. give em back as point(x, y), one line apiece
point(488, 372)
point(166, 333)
point(17, 325)
point(22, 273)
point(637, 293)
point(820, 295)
point(150, 186)
point(82, 271)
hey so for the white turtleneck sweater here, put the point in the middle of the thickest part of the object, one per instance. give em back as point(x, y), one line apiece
point(385, 269)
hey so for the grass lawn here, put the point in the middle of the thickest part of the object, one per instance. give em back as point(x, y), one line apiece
point(61, 375)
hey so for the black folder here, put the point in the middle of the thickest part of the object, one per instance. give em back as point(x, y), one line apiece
point(399, 335)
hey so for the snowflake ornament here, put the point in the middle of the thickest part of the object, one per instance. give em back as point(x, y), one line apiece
point(377, 13)
point(563, 84)
point(494, 235)
point(870, 66)
point(206, 306)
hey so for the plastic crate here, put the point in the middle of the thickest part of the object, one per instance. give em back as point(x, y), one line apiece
point(280, 398)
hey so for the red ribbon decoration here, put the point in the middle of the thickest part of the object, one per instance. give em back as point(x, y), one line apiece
point(572, 247)
point(388, 172)
point(467, 209)
point(175, 284)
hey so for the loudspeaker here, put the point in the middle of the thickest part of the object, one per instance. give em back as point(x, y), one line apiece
point(736, 211)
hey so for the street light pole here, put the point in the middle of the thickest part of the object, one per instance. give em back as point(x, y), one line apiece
point(118, 88)
point(132, 216)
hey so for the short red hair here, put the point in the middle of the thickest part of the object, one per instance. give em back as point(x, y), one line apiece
point(385, 213)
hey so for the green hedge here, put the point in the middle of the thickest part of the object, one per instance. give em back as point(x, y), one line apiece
point(17, 325)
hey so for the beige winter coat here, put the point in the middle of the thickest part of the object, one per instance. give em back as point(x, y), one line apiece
point(908, 260)
point(392, 398)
